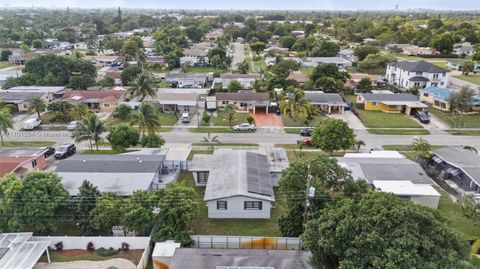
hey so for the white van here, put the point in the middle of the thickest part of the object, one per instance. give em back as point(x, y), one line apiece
point(31, 124)
point(185, 118)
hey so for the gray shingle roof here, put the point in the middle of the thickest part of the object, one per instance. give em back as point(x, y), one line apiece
point(378, 97)
point(243, 96)
point(14, 96)
point(420, 66)
point(464, 159)
point(111, 163)
point(324, 98)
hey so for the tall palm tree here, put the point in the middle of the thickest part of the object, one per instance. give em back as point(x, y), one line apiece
point(6, 122)
point(143, 86)
point(296, 105)
point(90, 128)
point(37, 104)
point(92, 42)
point(141, 58)
point(147, 118)
point(80, 111)
point(359, 144)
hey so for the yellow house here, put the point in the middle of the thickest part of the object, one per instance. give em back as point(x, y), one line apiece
point(390, 103)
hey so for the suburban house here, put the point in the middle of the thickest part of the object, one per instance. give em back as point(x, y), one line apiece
point(175, 102)
point(419, 74)
point(418, 51)
point(464, 49)
point(203, 258)
point(245, 80)
point(103, 60)
point(20, 100)
point(299, 77)
point(341, 63)
point(202, 164)
point(244, 190)
point(53, 92)
point(457, 64)
point(156, 60)
point(331, 103)
point(214, 34)
point(390, 103)
point(440, 98)
point(460, 168)
point(195, 56)
point(389, 171)
point(20, 161)
point(187, 80)
point(355, 78)
point(244, 100)
point(96, 100)
point(347, 54)
point(22, 58)
point(120, 174)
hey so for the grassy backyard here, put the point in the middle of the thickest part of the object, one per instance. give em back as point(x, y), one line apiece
point(298, 122)
point(27, 144)
point(378, 119)
point(464, 132)
point(221, 118)
point(470, 78)
point(247, 227)
point(398, 131)
point(204, 69)
point(457, 120)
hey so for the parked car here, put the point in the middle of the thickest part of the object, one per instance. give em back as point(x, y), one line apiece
point(185, 118)
point(244, 127)
point(422, 117)
point(307, 131)
point(65, 151)
point(31, 124)
point(307, 141)
point(72, 126)
point(49, 152)
point(374, 149)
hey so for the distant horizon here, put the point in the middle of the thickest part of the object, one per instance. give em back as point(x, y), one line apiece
point(252, 5)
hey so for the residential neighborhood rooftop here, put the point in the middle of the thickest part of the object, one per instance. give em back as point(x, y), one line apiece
point(18, 97)
point(379, 97)
point(419, 66)
point(243, 96)
point(466, 160)
point(439, 93)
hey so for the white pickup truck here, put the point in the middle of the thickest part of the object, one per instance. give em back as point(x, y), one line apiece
point(31, 124)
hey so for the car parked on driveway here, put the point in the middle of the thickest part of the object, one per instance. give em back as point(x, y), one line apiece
point(72, 126)
point(307, 131)
point(422, 116)
point(65, 151)
point(31, 124)
point(185, 118)
point(244, 127)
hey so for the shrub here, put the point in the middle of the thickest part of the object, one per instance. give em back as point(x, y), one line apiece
point(59, 246)
point(250, 119)
point(104, 252)
point(125, 246)
point(90, 246)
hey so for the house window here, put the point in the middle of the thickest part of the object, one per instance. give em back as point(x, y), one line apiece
point(436, 103)
point(224, 102)
point(374, 103)
point(202, 177)
point(106, 105)
point(221, 205)
point(34, 163)
point(252, 205)
point(425, 94)
point(418, 73)
point(242, 104)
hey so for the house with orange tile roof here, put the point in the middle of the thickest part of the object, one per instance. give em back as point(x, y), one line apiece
point(97, 100)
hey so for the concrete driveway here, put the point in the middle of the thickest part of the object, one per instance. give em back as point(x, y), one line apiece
point(352, 120)
point(19, 118)
point(267, 120)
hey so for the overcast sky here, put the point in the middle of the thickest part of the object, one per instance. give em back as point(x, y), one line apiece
point(255, 4)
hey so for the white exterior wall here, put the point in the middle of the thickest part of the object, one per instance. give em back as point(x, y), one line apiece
point(430, 201)
point(80, 242)
point(235, 209)
point(401, 78)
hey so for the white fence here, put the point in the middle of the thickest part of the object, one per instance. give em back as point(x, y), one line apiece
point(80, 242)
point(247, 242)
point(142, 264)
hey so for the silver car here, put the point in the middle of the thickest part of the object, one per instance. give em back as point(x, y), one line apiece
point(244, 127)
point(72, 126)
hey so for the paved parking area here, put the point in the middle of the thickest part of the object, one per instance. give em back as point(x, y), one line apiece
point(267, 120)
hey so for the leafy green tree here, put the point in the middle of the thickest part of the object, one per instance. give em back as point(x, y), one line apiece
point(108, 212)
point(443, 43)
point(364, 85)
point(32, 202)
point(129, 74)
point(147, 118)
point(382, 231)
point(37, 43)
point(205, 118)
point(283, 68)
point(81, 82)
point(329, 85)
point(234, 86)
point(296, 104)
point(138, 212)
point(122, 136)
point(287, 41)
point(143, 86)
point(122, 112)
point(333, 134)
point(461, 101)
point(82, 206)
point(80, 111)
point(363, 51)
point(325, 49)
point(37, 104)
point(107, 82)
point(177, 206)
point(6, 122)
point(243, 67)
point(130, 49)
point(328, 70)
point(258, 46)
point(152, 140)
point(467, 67)
point(476, 56)
point(470, 208)
point(90, 128)
point(230, 114)
point(421, 147)
point(377, 60)
point(5, 54)
point(61, 109)
point(194, 33)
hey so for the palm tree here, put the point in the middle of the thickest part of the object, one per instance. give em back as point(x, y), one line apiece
point(37, 104)
point(80, 111)
point(6, 122)
point(147, 118)
point(90, 128)
point(143, 86)
point(141, 58)
point(296, 105)
point(92, 42)
point(230, 112)
point(359, 144)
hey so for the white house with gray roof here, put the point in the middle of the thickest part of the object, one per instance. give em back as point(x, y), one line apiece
point(394, 174)
point(419, 74)
point(327, 102)
point(119, 174)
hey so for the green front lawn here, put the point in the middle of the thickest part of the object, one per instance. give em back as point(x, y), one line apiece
point(4, 64)
point(407, 147)
point(221, 118)
point(470, 78)
point(457, 120)
point(292, 130)
point(464, 132)
point(242, 227)
point(379, 119)
point(204, 69)
point(399, 131)
point(27, 144)
point(297, 122)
